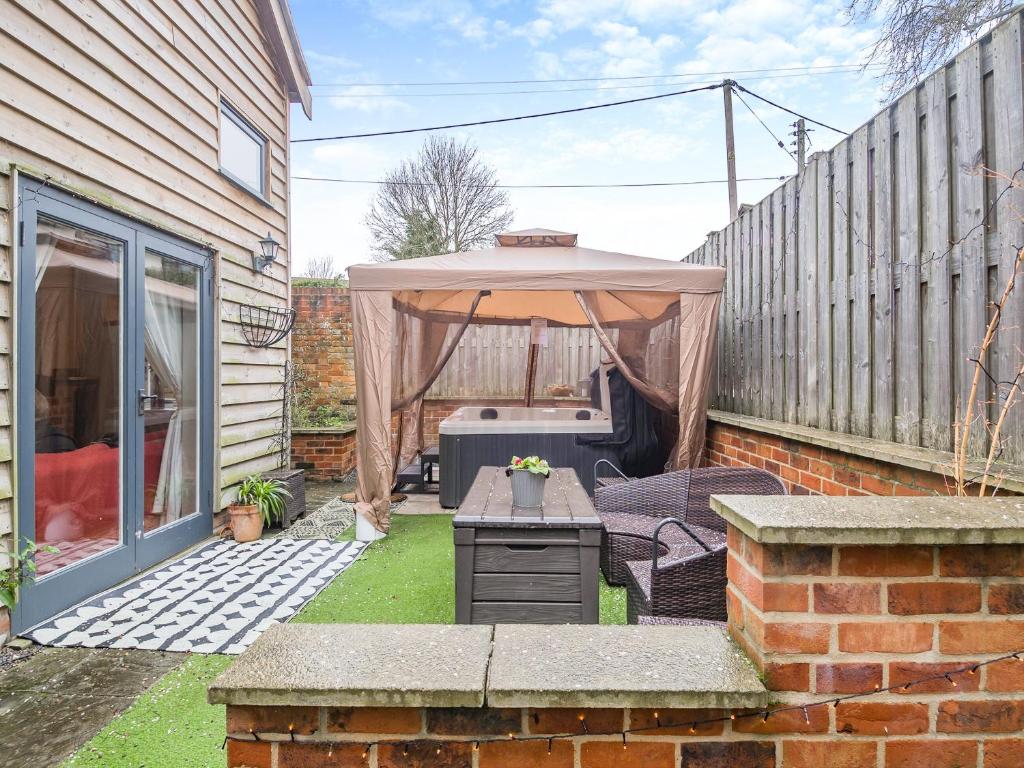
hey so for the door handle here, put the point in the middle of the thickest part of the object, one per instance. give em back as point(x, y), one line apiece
point(143, 397)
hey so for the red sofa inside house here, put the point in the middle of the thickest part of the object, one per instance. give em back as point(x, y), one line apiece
point(77, 492)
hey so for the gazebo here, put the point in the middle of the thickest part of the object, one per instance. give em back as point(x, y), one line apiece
point(656, 321)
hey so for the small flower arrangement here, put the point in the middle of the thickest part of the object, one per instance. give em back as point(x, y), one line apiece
point(535, 465)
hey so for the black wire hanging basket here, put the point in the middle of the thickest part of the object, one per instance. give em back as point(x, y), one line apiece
point(263, 326)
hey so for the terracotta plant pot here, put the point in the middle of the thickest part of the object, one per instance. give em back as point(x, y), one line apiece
point(246, 522)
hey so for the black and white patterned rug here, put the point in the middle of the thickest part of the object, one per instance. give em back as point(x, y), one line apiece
point(216, 599)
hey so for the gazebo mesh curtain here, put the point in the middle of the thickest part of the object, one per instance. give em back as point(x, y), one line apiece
point(667, 357)
point(421, 344)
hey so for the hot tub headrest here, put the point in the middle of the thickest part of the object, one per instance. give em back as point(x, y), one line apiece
point(582, 415)
point(488, 413)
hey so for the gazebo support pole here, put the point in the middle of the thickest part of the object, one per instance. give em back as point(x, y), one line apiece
point(531, 374)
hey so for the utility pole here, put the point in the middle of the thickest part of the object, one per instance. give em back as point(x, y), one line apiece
point(730, 149)
point(801, 143)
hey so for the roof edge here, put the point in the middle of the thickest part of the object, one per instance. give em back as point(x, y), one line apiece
point(286, 50)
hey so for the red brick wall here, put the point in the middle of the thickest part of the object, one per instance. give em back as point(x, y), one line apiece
point(809, 469)
point(818, 621)
point(330, 453)
point(322, 343)
point(829, 620)
point(324, 453)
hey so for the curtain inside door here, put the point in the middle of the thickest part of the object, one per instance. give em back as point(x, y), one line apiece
point(163, 342)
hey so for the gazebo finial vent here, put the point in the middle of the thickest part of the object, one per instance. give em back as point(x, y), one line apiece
point(536, 238)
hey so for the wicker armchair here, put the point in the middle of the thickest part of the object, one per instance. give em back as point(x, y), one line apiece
point(683, 585)
point(632, 510)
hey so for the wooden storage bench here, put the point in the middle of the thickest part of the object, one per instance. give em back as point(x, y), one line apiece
point(537, 566)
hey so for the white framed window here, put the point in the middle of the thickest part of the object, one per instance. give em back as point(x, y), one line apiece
point(243, 151)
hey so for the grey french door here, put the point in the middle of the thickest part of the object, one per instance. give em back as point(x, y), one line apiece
point(114, 392)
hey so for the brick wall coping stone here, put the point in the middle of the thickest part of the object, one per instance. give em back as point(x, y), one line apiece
point(1010, 476)
point(619, 666)
point(934, 520)
point(393, 665)
point(347, 429)
point(360, 665)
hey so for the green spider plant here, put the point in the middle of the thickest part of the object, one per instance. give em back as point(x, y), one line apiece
point(268, 495)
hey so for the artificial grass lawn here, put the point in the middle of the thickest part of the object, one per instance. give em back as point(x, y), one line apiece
point(406, 578)
point(169, 726)
point(409, 578)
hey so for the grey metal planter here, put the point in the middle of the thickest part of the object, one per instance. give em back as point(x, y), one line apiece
point(527, 489)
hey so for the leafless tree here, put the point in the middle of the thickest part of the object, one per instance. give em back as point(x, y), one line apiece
point(445, 199)
point(918, 35)
point(322, 268)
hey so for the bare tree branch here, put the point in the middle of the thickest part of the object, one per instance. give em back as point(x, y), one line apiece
point(917, 35)
point(445, 199)
point(322, 268)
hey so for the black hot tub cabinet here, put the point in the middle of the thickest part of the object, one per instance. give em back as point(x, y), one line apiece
point(475, 437)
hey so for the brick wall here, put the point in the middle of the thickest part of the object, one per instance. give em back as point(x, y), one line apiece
point(322, 344)
point(817, 621)
point(810, 469)
point(827, 620)
point(325, 453)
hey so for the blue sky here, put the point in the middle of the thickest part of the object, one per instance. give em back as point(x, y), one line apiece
point(678, 139)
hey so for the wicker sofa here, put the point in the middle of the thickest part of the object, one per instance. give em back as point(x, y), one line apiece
point(672, 570)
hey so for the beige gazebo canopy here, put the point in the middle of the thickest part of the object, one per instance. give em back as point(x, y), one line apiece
point(655, 319)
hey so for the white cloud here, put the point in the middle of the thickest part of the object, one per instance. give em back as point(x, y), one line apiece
point(457, 16)
point(631, 53)
point(364, 98)
point(572, 14)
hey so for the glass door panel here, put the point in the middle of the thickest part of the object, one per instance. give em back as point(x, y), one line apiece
point(77, 398)
point(168, 400)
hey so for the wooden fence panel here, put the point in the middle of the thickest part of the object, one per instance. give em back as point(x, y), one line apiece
point(778, 306)
point(860, 266)
point(764, 311)
point(970, 210)
point(881, 256)
point(807, 279)
point(908, 280)
point(841, 239)
point(1009, 164)
point(823, 250)
point(792, 266)
point(858, 291)
point(937, 349)
point(756, 331)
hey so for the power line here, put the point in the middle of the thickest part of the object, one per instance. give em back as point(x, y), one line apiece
point(637, 100)
point(600, 79)
point(780, 142)
point(627, 185)
point(519, 92)
point(786, 109)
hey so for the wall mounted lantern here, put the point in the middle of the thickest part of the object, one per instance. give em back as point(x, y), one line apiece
point(267, 255)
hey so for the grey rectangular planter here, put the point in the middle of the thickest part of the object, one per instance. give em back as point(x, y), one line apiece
point(534, 565)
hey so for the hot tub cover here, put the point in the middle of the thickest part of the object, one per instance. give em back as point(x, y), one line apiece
point(403, 310)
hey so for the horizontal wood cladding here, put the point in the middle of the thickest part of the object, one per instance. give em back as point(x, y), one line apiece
point(119, 101)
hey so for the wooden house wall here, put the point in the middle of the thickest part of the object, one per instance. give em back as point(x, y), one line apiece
point(119, 100)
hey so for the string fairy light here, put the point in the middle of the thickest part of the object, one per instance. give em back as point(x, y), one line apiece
point(691, 725)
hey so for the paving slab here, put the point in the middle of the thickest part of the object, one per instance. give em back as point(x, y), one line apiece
point(885, 520)
point(620, 666)
point(54, 702)
point(353, 665)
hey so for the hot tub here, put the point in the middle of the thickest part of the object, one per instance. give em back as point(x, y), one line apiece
point(476, 436)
